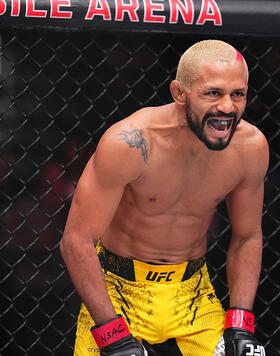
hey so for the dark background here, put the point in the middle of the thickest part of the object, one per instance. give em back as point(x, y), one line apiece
point(59, 93)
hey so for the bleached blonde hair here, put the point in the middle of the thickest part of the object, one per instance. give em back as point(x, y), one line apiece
point(189, 66)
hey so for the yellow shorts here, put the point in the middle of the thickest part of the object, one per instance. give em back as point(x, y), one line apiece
point(172, 307)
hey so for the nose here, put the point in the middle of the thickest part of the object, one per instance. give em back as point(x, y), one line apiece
point(225, 104)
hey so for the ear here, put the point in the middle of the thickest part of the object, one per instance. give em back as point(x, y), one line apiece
point(178, 92)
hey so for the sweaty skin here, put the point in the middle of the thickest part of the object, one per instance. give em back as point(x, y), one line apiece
point(150, 190)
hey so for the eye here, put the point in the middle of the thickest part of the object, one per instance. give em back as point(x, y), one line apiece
point(213, 93)
point(238, 93)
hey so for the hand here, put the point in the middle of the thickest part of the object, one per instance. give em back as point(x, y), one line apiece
point(239, 334)
point(115, 339)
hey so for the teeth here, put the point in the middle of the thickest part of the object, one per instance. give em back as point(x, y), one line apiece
point(222, 122)
point(219, 124)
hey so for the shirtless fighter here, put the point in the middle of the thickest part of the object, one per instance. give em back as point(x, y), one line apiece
point(135, 239)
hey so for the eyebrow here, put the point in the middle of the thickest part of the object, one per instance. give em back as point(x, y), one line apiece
point(212, 88)
point(220, 89)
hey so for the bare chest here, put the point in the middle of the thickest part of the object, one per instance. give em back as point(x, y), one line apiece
point(194, 189)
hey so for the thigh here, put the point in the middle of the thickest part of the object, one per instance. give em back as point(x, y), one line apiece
point(199, 316)
point(206, 329)
point(84, 342)
point(133, 301)
point(195, 322)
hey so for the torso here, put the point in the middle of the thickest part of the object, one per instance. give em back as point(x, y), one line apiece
point(164, 215)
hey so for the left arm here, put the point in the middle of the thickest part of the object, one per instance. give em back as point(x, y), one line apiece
point(245, 252)
point(245, 211)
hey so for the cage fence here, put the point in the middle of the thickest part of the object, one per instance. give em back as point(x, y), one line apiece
point(59, 93)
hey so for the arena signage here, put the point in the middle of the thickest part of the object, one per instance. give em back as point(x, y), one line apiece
point(152, 10)
point(209, 11)
point(192, 16)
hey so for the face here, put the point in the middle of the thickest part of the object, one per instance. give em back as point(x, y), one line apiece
point(216, 102)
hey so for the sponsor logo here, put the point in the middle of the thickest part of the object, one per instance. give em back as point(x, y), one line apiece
point(158, 276)
point(258, 351)
point(112, 333)
point(248, 321)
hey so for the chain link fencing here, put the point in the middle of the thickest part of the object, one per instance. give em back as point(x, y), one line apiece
point(59, 93)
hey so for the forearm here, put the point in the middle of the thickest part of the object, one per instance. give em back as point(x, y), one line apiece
point(243, 270)
point(88, 278)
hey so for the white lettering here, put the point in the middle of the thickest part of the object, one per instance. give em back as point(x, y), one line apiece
point(258, 351)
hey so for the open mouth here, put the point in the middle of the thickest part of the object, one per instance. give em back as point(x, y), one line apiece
point(221, 125)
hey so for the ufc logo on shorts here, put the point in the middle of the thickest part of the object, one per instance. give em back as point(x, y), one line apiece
point(157, 277)
point(258, 351)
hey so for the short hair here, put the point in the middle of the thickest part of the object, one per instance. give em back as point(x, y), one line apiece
point(189, 69)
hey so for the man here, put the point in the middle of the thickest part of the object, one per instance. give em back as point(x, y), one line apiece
point(142, 209)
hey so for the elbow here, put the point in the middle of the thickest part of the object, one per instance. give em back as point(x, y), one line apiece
point(66, 246)
point(62, 247)
point(73, 245)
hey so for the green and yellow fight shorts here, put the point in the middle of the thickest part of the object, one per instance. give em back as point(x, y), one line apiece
point(172, 308)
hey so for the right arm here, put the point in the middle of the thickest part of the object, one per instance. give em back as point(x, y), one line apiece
point(94, 204)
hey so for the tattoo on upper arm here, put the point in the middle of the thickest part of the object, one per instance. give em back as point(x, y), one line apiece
point(135, 138)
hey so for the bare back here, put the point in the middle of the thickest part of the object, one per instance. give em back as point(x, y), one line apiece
point(164, 213)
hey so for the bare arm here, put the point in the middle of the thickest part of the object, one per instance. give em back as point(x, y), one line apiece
point(94, 204)
point(245, 210)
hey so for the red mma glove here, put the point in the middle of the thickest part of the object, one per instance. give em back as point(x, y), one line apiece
point(114, 339)
point(239, 334)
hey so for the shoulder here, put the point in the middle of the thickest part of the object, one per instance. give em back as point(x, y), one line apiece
point(252, 147)
point(123, 150)
point(129, 142)
point(251, 140)
point(129, 136)
point(132, 136)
